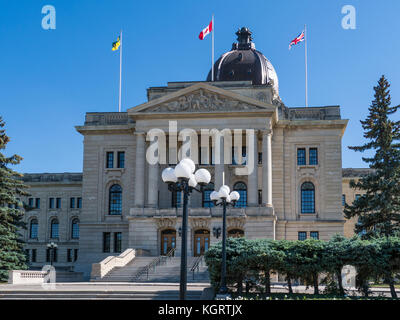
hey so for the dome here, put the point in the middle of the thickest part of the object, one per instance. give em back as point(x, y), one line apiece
point(244, 62)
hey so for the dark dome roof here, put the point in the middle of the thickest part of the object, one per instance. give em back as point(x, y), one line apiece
point(244, 62)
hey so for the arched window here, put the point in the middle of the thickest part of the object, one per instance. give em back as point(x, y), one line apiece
point(207, 203)
point(33, 229)
point(242, 189)
point(307, 197)
point(54, 229)
point(75, 229)
point(115, 202)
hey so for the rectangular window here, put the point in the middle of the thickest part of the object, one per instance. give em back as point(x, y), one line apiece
point(260, 158)
point(313, 154)
point(314, 235)
point(110, 160)
point(69, 255)
point(33, 258)
point(343, 200)
point(51, 203)
point(79, 203)
point(106, 242)
point(55, 255)
point(30, 202)
point(48, 255)
point(260, 197)
point(76, 254)
point(27, 255)
point(52, 252)
point(358, 196)
point(37, 203)
point(117, 242)
point(72, 203)
point(58, 203)
point(302, 235)
point(301, 157)
point(121, 159)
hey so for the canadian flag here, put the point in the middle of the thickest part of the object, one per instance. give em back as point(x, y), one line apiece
point(206, 31)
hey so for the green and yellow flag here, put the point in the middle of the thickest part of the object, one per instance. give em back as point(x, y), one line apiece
point(116, 44)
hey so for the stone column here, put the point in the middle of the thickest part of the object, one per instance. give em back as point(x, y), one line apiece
point(152, 186)
point(266, 168)
point(219, 167)
point(139, 169)
point(252, 187)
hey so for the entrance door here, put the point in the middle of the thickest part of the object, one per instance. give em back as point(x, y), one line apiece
point(168, 241)
point(201, 242)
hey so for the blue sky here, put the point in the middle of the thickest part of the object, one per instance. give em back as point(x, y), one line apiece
point(49, 79)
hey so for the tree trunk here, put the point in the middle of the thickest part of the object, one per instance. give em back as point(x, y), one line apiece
point(267, 283)
point(339, 277)
point(389, 280)
point(315, 279)
point(289, 283)
point(240, 285)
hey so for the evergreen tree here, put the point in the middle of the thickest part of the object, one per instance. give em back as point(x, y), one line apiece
point(12, 255)
point(378, 209)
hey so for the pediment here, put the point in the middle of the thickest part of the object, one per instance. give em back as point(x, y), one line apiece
point(202, 98)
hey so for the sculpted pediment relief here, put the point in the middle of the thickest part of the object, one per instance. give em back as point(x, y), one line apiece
point(202, 101)
point(202, 98)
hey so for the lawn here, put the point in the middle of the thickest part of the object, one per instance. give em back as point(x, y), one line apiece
point(301, 296)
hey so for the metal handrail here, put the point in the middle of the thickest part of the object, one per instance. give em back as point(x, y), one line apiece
point(196, 265)
point(153, 264)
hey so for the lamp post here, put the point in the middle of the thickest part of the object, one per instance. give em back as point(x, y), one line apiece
point(52, 247)
point(225, 199)
point(183, 178)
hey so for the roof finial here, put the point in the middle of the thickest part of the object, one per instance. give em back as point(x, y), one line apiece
point(244, 39)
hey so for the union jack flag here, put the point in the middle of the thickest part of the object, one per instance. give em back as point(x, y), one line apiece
point(296, 40)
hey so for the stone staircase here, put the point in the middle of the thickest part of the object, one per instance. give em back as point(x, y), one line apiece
point(167, 272)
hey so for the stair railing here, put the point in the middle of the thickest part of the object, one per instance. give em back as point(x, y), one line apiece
point(196, 265)
point(153, 264)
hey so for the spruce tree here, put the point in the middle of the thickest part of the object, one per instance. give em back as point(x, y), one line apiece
point(378, 209)
point(12, 256)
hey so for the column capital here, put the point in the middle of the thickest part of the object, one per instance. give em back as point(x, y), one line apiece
point(138, 133)
point(266, 132)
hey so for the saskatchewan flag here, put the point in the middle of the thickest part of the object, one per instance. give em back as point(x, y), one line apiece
point(116, 44)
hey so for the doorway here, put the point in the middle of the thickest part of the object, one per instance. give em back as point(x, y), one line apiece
point(201, 242)
point(168, 241)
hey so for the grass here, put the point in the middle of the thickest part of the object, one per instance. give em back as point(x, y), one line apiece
point(383, 285)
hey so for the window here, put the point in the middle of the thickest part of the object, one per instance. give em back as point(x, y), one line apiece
point(313, 156)
point(207, 203)
point(54, 229)
point(314, 235)
point(27, 256)
point(75, 229)
point(307, 198)
point(51, 203)
point(33, 257)
point(301, 157)
point(259, 197)
point(72, 203)
point(110, 160)
point(260, 158)
point(302, 235)
point(33, 230)
point(53, 253)
point(343, 200)
point(358, 196)
point(69, 255)
point(242, 189)
point(121, 159)
point(79, 203)
point(115, 200)
point(37, 203)
point(30, 202)
point(176, 199)
point(76, 254)
point(106, 242)
point(117, 241)
point(58, 203)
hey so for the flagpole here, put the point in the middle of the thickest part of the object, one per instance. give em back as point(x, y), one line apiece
point(120, 73)
point(305, 54)
point(212, 50)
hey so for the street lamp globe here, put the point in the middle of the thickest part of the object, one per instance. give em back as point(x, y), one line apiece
point(183, 170)
point(192, 181)
point(190, 163)
point(235, 196)
point(203, 177)
point(224, 191)
point(214, 196)
point(168, 175)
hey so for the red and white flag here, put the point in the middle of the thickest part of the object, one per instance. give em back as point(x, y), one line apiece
point(297, 40)
point(206, 31)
